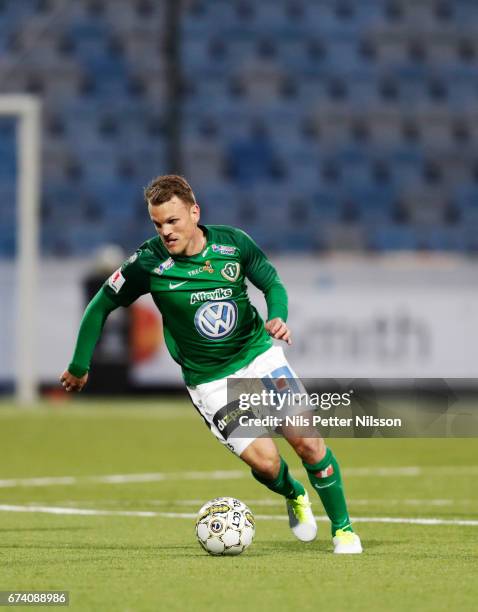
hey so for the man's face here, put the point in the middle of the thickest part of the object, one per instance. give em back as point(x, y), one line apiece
point(176, 223)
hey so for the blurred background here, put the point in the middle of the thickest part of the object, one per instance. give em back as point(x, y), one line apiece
point(342, 135)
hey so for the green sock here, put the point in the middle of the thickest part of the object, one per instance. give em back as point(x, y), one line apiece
point(326, 479)
point(283, 484)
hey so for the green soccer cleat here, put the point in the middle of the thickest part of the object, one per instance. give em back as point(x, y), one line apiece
point(301, 518)
point(346, 543)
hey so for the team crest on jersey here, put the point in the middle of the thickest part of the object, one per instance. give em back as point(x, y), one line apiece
point(223, 249)
point(166, 265)
point(231, 271)
point(216, 320)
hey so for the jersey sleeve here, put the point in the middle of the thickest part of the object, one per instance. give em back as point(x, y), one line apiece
point(122, 288)
point(263, 275)
point(91, 326)
point(128, 282)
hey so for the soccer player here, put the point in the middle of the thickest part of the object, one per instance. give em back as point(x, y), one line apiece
point(196, 275)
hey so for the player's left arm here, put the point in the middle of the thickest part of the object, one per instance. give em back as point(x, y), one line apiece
point(263, 275)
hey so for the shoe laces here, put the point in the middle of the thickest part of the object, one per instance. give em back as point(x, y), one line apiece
point(300, 507)
point(345, 536)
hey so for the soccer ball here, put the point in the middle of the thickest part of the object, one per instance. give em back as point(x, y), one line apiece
point(225, 526)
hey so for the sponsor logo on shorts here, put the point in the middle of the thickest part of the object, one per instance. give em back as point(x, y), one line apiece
point(166, 265)
point(226, 418)
point(206, 296)
point(231, 271)
point(116, 280)
point(223, 249)
point(232, 416)
point(216, 320)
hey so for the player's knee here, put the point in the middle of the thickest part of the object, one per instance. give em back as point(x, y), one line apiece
point(267, 466)
point(310, 450)
point(263, 457)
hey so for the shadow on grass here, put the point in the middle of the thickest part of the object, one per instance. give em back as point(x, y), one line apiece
point(66, 546)
point(262, 549)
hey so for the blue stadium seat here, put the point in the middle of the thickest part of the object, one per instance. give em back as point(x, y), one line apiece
point(389, 237)
point(363, 105)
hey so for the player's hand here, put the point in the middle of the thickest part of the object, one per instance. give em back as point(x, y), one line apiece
point(278, 330)
point(73, 383)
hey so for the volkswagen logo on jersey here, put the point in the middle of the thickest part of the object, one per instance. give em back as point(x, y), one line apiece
point(215, 320)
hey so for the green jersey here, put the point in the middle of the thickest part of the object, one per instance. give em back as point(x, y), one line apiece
point(210, 326)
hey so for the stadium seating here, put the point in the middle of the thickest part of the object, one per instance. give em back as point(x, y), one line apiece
point(352, 124)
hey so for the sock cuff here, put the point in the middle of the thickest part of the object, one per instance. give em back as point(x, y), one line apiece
point(321, 465)
point(283, 469)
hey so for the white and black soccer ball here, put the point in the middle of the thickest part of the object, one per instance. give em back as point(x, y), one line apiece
point(225, 526)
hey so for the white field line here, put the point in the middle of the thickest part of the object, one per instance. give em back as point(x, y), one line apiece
point(278, 503)
point(188, 515)
point(410, 471)
point(121, 478)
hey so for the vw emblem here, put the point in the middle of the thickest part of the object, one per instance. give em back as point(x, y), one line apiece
point(216, 320)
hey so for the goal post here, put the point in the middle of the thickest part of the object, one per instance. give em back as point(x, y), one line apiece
point(26, 110)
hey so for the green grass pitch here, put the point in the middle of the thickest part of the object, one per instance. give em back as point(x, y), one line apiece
point(131, 562)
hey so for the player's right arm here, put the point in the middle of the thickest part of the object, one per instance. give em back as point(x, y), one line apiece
point(122, 288)
point(74, 378)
